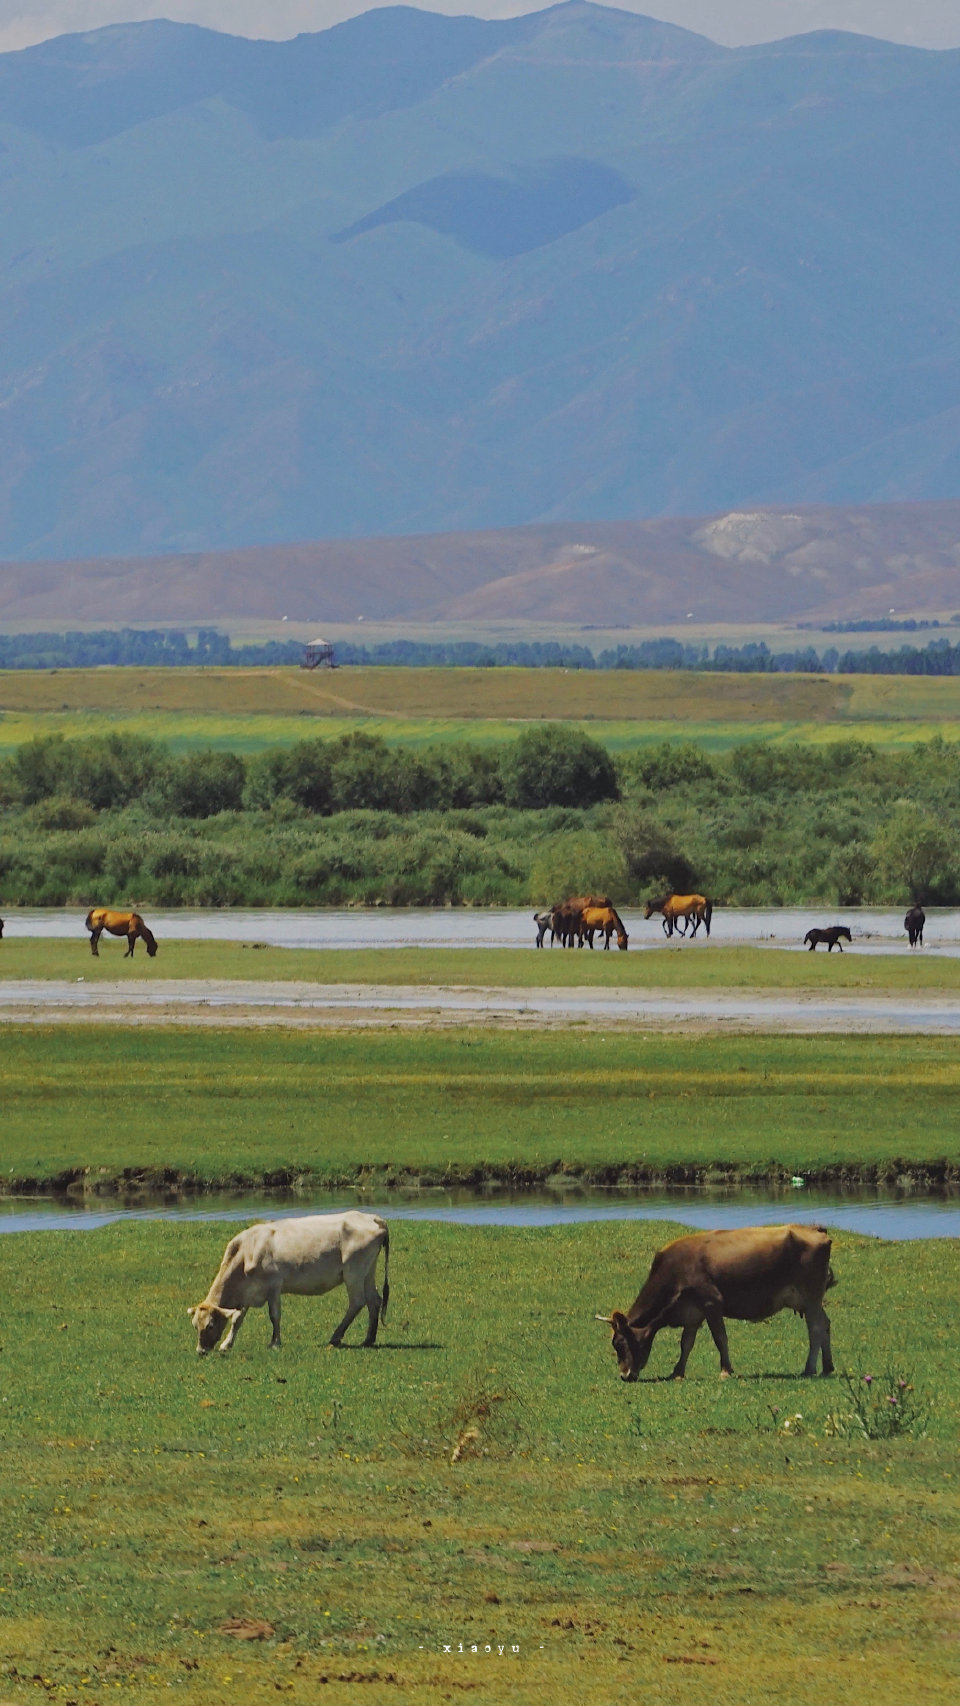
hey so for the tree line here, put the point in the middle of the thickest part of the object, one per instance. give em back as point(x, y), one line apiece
point(155, 647)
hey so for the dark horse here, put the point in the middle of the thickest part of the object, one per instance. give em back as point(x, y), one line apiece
point(831, 937)
point(913, 924)
point(128, 924)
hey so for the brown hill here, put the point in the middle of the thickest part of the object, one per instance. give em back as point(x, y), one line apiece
point(811, 564)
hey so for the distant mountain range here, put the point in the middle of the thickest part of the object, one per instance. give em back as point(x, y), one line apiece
point(808, 565)
point(422, 273)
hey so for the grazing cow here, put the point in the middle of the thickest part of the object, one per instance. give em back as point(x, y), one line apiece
point(749, 1275)
point(304, 1257)
point(831, 937)
point(913, 924)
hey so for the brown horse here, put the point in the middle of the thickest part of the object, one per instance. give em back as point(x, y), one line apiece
point(128, 924)
point(606, 920)
point(686, 906)
point(568, 918)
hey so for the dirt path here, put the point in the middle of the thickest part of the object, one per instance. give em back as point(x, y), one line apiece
point(231, 1002)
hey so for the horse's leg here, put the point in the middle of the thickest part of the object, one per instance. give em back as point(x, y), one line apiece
point(131, 944)
point(94, 939)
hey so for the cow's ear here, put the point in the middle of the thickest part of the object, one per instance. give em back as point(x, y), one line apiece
point(619, 1322)
point(192, 1309)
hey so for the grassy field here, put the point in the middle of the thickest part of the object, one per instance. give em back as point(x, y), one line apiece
point(673, 967)
point(248, 710)
point(200, 1108)
point(481, 1481)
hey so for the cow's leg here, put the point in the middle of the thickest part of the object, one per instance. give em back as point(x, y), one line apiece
point(273, 1309)
point(94, 939)
point(232, 1331)
point(718, 1332)
point(688, 1339)
point(359, 1277)
point(818, 1330)
point(373, 1301)
point(356, 1295)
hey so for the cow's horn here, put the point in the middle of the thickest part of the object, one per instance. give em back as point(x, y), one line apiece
point(606, 1319)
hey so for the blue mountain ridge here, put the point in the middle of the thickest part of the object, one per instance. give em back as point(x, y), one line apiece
point(418, 273)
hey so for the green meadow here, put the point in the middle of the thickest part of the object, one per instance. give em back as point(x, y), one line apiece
point(394, 1523)
point(194, 1108)
point(663, 966)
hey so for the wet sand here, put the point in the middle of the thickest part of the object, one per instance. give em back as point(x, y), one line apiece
point(230, 1003)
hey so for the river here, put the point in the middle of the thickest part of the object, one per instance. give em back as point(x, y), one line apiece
point(878, 1214)
point(876, 930)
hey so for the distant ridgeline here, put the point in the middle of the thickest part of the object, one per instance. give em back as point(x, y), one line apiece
point(150, 647)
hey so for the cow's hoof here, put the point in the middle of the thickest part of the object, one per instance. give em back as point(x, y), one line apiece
point(336, 1344)
point(727, 1374)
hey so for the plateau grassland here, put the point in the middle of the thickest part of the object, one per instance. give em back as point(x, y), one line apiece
point(249, 710)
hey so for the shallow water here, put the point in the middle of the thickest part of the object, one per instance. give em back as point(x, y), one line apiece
point(494, 927)
point(230, 1001)
point(872, 1212)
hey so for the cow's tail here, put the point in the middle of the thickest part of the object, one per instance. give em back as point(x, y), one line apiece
point(708, 914)
point(386, 1272)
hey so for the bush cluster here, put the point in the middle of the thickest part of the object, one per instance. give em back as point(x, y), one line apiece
point(355, 821)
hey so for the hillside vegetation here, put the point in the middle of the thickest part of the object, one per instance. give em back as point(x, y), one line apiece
point(419, 273)
point(549, 813)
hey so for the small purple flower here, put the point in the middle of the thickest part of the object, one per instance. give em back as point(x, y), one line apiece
point(868, 1380)
point(891, 1399)
point(902, 1384)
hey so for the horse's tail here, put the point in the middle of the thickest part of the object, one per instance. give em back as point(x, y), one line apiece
point(707, 915)
point(148, 937)
point(87, 925)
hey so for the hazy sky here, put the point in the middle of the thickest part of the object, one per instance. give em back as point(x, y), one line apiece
point(925, 23)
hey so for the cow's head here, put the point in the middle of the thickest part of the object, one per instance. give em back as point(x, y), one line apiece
point(211, 1323)
point(631, 1345)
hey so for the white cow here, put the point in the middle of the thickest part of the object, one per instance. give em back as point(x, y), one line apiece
point(306, 1257)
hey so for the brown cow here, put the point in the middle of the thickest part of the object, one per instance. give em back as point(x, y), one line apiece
point(749, 1275)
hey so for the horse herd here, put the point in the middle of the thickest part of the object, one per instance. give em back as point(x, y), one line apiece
point(583, 917)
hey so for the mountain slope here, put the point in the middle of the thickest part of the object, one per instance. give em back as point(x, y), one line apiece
point(808, 564)
point(420, 273)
